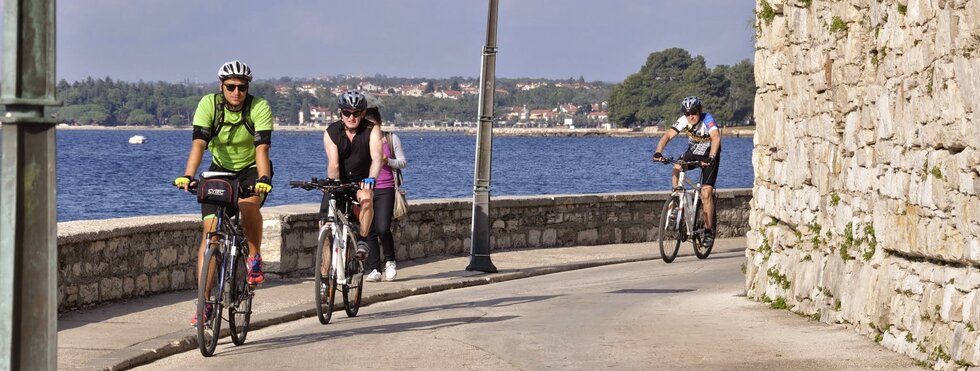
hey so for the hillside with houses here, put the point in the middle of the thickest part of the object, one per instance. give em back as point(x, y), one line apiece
point(393, 95)
point(647, 98)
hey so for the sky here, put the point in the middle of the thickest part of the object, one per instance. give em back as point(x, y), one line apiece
point(187, 40)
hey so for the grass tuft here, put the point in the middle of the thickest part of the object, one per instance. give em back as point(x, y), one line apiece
point(838, 25)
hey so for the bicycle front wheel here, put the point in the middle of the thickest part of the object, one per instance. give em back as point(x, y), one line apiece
point(355, 282)
point(325, 280)
point(209, 292)
point(670, 231)
point(240, 311)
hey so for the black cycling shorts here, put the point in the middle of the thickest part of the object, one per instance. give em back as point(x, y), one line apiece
point(246, 178)
point(708, 174)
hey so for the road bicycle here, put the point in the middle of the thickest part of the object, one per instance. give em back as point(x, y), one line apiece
point(334, 263)
point(223, 282)
point(682, 217)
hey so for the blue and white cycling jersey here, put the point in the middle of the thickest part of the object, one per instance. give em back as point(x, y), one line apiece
point(699, 134)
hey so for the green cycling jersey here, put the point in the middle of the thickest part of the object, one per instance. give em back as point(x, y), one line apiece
point(233, 148)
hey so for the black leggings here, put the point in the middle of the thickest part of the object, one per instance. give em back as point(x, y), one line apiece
point(384, 206)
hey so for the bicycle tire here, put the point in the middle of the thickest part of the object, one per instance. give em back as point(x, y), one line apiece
point(700, 250)
point(209, 329)
point(355, 281)
point(240, 311)
point(324, 290)
point(669, 235)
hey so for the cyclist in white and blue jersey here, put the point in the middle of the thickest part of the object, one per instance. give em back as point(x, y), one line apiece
point(704, 145)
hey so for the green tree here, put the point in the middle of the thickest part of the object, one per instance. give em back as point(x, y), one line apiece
point(139, 116)
point(742, 91)
point(653, 94)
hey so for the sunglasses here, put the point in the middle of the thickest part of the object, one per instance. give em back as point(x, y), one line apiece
point(346, 113)
point(232, 87)
point(691, 113)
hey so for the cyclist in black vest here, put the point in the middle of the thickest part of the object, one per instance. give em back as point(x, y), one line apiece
point(237, 128)
point(353, 147)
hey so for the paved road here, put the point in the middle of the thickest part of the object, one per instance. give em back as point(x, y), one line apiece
point(645, 315)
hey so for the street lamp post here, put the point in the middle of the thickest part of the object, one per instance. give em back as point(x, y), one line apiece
point(480, 239)
point(28, 227)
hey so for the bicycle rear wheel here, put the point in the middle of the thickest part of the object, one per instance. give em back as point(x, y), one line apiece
point(209, 301)
point(240, 311)
point(671, 232)
point(325, 285)
point(355, 282)
point(700, 250)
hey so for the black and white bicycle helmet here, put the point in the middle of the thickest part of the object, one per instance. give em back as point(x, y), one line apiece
point(690, 104)
point(234, 69)
point(352, 99)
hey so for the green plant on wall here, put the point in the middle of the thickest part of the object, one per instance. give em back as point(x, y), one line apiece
point(778, 278)
point(869, 237)
point(837, 25)
point(936, 172)
point(848, 242)
point(806, 3)
point(903, 9)
point(834, 200)
point(767, 14)
point(779, 303)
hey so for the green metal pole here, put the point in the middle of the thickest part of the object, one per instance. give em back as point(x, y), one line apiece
point(28, 226)
point(480, 239)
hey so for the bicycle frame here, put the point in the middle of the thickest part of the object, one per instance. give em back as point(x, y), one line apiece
point(228, 250)
point(690, 196)
point(339, 226)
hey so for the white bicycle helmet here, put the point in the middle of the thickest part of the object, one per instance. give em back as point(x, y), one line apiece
point(690, 104)
point(234, 69)
point(352, 99)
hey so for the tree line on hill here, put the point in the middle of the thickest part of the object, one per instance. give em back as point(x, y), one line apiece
point(649, 96)
point(653, 94)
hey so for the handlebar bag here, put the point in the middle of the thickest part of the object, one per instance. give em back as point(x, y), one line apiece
point(218, 191)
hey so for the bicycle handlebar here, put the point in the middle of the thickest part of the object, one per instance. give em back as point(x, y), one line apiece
point(325, 185)
point(243, 192)
point(679, 161)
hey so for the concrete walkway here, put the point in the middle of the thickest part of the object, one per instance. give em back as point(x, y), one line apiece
point(123, 335)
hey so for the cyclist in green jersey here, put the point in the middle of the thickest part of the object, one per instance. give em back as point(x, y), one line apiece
point(237, 128)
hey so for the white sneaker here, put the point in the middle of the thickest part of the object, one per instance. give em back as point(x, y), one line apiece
point(390, 271)
point(374, 276)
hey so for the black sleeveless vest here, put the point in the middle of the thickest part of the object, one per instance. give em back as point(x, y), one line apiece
point(355, 155)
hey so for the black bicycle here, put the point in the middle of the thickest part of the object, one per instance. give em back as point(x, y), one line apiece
point(223, 282)
point(334, 263)
point(682, 216)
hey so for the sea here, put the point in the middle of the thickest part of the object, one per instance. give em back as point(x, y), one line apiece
point(101, 176)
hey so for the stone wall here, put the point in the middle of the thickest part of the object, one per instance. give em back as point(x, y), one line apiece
point(108, 260)
point(865, 209)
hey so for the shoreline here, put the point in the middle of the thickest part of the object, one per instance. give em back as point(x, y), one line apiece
point(738, 132)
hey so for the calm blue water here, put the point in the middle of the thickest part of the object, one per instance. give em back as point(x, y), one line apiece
point(101, 175)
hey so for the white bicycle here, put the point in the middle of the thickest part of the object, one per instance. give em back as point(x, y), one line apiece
point(682, 216)
point(334, 259)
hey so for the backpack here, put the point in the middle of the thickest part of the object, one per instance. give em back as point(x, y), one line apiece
point(219, 114)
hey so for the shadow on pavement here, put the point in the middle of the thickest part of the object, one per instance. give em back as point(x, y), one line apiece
point(498, 302)
point(650, 291)
point(295, 340)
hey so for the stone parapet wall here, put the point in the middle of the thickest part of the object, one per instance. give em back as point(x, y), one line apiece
point(865, 209)
point(107, 260)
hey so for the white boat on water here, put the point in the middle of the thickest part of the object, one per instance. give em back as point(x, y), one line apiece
point(137, 139)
